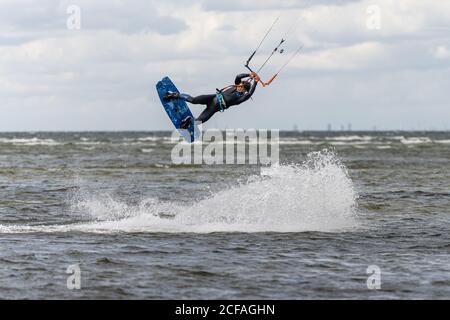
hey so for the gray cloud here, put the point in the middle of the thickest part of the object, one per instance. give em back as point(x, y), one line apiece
point(43, 16)
point(268, 5)
point(132, 16)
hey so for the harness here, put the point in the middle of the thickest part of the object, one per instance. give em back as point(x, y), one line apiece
point(219, 96)
point(221, 101)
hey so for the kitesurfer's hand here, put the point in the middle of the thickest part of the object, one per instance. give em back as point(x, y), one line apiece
point(255, 76)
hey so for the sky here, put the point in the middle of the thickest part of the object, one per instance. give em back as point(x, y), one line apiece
point(93, 65)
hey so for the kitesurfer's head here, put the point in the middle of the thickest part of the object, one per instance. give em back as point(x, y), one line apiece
point(244, 87)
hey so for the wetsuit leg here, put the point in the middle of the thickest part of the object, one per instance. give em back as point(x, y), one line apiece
point(210, 110)
point(209, 100)
point(203, 99)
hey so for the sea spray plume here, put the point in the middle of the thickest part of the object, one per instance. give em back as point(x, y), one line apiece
point(105, 207)
point(316, 195)
point(102, 207)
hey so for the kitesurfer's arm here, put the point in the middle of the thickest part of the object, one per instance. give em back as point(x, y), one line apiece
point(247, 95)
point(241, 76)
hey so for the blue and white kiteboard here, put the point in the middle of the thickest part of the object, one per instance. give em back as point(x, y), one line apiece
point(177, 110)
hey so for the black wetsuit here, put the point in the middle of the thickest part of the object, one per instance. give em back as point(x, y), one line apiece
point(231, 97)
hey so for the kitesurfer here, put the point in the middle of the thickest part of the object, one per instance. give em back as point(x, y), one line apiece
point(232, 95)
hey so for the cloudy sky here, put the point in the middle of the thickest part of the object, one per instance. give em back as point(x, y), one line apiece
point(370, 63)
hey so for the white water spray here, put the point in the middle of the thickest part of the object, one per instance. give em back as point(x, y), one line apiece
point(317, 195)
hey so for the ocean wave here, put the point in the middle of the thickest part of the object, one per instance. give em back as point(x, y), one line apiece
point(350, 138)
point(90, 143)
point(296, 142)
point(29, 142)
point(394, 137)
point(153, 139)
point(442, 141)
point(347, 143)
point(416, 140)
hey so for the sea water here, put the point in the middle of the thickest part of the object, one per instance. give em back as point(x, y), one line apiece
point(314, 225)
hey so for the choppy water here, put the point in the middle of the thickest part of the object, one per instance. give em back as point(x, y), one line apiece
point(141, 227)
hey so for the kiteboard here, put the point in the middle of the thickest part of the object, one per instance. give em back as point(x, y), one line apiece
point(177, 110)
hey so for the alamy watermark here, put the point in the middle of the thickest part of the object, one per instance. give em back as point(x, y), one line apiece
point(232, 146)
point(374, 280)
point(373, 21)
point(74, 20)
point(74, 280)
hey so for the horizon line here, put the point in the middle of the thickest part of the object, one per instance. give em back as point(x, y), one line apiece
point(281, 130)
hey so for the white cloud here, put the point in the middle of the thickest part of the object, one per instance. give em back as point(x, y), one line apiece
point(355, 57)
point(441, 52)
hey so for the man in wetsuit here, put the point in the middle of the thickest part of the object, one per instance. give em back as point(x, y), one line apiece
point(233, 95)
